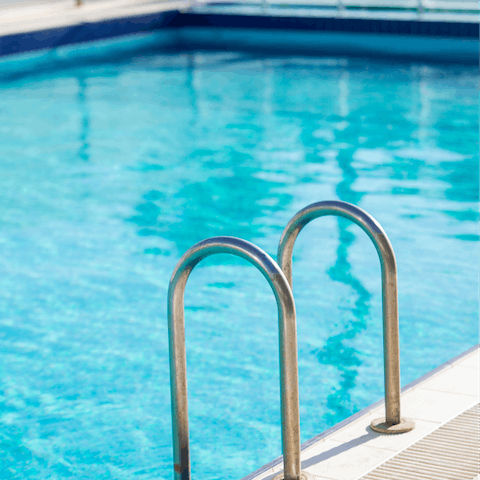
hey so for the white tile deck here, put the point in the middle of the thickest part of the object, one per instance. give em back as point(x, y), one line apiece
point(383, 14)
point(354, 450)
point(50, 16)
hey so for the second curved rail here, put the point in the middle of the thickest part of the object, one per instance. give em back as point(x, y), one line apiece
point(393, 422)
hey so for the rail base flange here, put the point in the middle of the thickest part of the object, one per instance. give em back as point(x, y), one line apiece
point(380, 425)
point(303, 476)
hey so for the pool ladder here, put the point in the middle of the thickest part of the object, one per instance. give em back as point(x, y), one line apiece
point(280, 279)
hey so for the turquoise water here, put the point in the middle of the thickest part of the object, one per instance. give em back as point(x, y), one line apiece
point(110, 170)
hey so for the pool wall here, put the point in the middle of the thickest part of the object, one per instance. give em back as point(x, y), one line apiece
point(334, 43)
point(437, 41)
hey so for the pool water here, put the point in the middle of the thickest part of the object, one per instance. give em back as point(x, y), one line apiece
point(111, 169)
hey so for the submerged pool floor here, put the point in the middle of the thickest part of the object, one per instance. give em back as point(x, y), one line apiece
point(110, 170)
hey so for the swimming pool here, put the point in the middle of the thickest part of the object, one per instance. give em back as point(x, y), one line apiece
point(112, 169)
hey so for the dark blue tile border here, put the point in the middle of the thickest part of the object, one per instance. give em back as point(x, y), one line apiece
point(85, 32)
point(399, 27)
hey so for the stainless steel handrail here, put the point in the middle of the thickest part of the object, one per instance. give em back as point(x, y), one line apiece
point(393, 422)
point(288, 351)
point(418, 7)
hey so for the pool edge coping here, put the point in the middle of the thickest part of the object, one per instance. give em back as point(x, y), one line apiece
point(77, 31)
point(364, 412)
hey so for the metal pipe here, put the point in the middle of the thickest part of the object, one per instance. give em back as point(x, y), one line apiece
point(265, 6)
point(420, 8)
point(288, 350)
point(392, 423)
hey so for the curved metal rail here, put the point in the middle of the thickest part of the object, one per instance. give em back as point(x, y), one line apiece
point(288, 351)
point(392, 423)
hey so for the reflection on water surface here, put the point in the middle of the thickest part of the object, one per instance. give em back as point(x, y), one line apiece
point(119, 167)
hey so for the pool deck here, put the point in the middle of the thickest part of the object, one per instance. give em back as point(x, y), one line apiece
point(52, 25)
point(51, 16)
point(351, 450)
point(332, 12)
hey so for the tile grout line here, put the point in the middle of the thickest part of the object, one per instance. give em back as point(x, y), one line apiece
point(443, 391)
